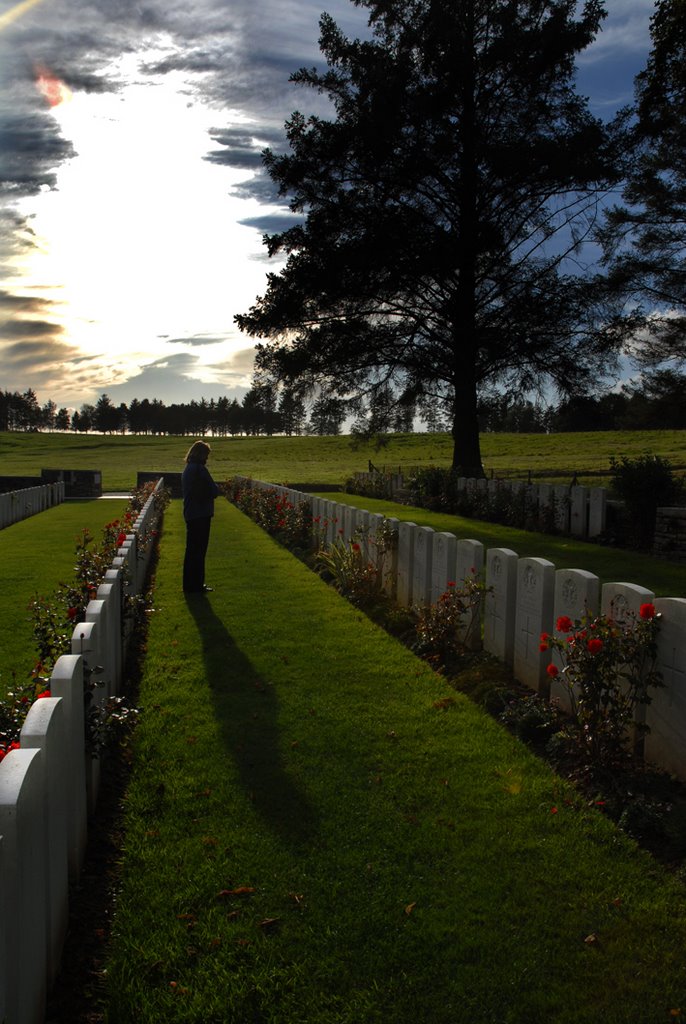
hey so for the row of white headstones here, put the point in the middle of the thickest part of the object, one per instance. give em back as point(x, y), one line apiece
point(49, 787)
point(28, 501)
point(524, 598)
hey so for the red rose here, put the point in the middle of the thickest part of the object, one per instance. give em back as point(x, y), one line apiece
point(647, 611)
point(564, 624)
point(594, 645)
point(552, 670)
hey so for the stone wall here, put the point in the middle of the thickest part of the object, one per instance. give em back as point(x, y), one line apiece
point(49, 785)
point(670, 534)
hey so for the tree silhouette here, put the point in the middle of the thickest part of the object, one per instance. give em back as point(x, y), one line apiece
point(439, 207)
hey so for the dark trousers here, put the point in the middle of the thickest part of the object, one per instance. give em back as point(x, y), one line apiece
point(197, 539)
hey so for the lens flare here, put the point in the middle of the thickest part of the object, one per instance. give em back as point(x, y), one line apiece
point(16, 12)
point(52, 88)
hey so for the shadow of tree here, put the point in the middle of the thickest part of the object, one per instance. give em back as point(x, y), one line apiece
point(247, 710)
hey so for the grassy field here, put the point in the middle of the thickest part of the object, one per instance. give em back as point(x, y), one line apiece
point(36, 555)
point(312, 834)
point(331, 460)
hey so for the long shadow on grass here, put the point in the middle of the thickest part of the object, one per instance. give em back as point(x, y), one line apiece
point(247, 710)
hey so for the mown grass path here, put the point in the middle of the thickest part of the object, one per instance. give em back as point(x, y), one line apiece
point(314, 834)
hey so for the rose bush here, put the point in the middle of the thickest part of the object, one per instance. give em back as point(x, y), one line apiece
point(606, 663)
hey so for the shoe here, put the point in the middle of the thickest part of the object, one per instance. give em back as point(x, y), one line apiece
point(207, 590)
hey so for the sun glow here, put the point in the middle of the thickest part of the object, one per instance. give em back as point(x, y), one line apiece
point(139, 247)
point(52, 88)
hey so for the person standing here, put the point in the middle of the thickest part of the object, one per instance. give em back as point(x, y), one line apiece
point(199, 492)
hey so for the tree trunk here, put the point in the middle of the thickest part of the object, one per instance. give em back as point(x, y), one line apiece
point(465, 431)
point(465, 428)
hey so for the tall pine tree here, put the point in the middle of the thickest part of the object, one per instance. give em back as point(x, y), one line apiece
point(439, 206)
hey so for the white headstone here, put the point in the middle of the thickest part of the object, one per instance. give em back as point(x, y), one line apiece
point(500, 603)
point(618, 599)
point(578, 511)
point(469, 566)
point(577, 595)
point(535, 590)
point(597, 512)
point(421, 575)
point(66, 682)
point(561, 501)
point(470, 560)
point(406, 538)
point(25, 853)
point(45, 729)
point(443, 563)
point(388, 559)
point(665, 744)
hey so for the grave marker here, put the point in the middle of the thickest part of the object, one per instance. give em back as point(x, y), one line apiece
point(535, 591)
point(666, 714)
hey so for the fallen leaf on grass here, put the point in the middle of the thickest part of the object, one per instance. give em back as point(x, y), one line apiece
point(242, 890)
point(444, 703)
point(409, 908)
point(592, 939)
point(269, 923)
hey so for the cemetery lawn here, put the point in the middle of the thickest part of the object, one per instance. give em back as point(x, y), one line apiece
point(36, 555)
point(318, 830)
point(612, 565)
point(331, 460)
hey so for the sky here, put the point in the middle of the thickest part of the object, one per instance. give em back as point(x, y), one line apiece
point(132, 196)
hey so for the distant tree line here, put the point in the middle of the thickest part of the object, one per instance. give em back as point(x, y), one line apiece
point(655, 403)
point(262, 411)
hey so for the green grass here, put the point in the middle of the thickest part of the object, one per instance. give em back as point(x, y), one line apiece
point(399, 862)
point(330, 460)
point(664, 578)
point(36, 555)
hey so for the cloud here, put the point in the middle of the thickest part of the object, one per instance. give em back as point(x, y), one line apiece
point(272, 223)
point(198, 340)
point(242, 148)
point(12, 304)
point(31, 147)
point(177, 379)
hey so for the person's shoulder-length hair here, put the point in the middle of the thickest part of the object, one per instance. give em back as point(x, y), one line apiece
point(198, 452)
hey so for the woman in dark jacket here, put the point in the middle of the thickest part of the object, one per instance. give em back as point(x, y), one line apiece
point(199, 492)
